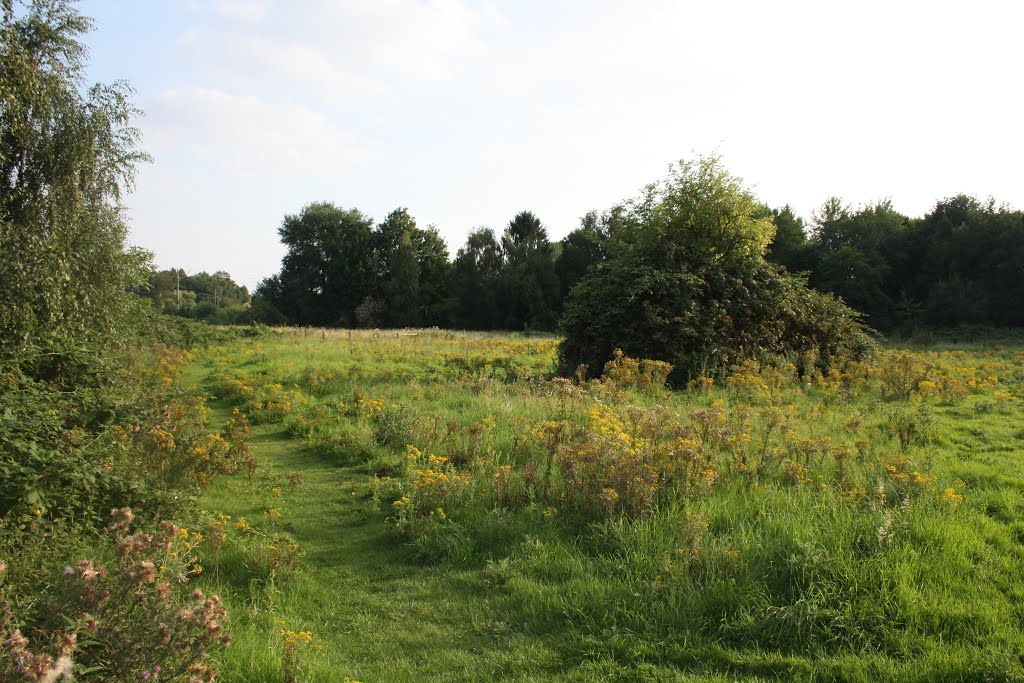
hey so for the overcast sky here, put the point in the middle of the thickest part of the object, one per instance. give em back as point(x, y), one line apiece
point(467, 112)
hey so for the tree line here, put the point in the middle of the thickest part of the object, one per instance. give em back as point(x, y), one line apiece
point(962, 263)
point(341, 269)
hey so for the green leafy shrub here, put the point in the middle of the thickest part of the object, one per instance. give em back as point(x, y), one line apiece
point(686, 283)
point(117, 434)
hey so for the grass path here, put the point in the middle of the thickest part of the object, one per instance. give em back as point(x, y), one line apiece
point(374, 615)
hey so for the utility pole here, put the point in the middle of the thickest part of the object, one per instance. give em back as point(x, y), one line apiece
point(177, 274)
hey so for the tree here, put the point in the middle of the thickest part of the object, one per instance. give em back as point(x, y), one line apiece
point(581, 248)
point(266, 301)
point(863, 257)
point(175, 291)
point(67, 155)
point(971, 263)
point(398, 269)
point(329, 268)
point(686, 282)
point(473, 281)
point(528, 287)
point(789, 248)
point(412, 272)
point(432, 256)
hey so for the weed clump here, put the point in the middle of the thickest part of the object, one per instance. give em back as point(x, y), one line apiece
point(124, 617)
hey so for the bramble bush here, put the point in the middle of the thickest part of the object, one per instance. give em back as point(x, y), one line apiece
point(122, 437)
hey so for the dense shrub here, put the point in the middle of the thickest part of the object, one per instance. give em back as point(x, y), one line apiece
point(686, 283)
point(116, 435)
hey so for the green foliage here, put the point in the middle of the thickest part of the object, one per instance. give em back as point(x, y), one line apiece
point(580, 249)
point(393, 426)
point(790, 247)
point(954, 266)
point(328, 268)
point(433, 298)
point(402, 284)
point(854, 257)
point(88, 420)
point(528, 288)
point(515, 282)
point(686, 282)
point(43, 469)
point(341, 271)
point(216, 298)
point(967, 257)
point(82, 433)
point(66, 155)
point(264, 312)
point(474, 281)
point(910, 425)
point(118, 439)
point(69, 379)
point(412, 271)
point(700, 212)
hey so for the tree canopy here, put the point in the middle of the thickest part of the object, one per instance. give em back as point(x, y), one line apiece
point(340, 270)
point(474, 278)
point(67, 153)
point(528, 284)
point(328, 268)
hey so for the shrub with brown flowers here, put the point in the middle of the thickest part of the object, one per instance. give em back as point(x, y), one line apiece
point(126, 617)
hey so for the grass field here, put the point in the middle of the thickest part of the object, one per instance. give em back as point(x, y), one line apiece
point(434, 506)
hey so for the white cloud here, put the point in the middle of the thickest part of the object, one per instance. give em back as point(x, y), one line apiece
point(245, 136)
point(240, 10)
point(339, 52)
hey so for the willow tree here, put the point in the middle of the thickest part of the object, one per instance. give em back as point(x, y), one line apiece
point(686, 281)
point(67, 154)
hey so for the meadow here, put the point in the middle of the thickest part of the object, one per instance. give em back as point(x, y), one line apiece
point(432, 505)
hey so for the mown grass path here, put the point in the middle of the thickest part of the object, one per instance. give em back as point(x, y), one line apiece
point(374, 615)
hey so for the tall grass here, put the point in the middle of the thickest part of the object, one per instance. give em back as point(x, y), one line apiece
point(861, 525)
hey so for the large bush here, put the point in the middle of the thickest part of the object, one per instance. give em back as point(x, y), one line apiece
point(686, 282)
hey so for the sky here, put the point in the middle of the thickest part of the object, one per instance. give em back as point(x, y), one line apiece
point(469, 111)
